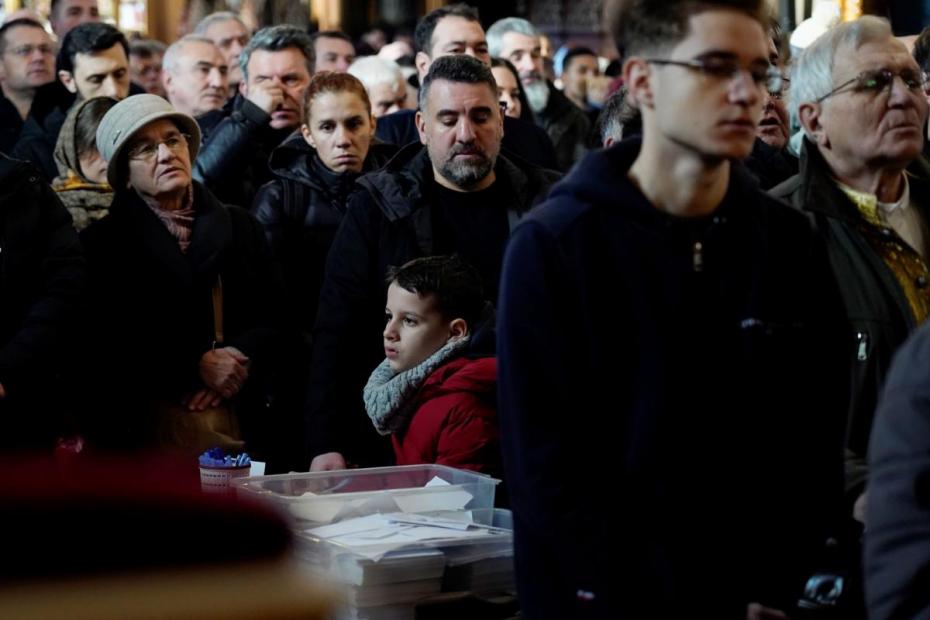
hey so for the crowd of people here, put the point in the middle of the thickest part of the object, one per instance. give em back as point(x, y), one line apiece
point(693, 289)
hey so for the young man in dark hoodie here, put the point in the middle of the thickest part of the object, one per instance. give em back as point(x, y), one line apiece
point(664, 334)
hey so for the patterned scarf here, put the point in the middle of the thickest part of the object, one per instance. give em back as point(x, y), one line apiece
point(388, 395)
point(179, 222)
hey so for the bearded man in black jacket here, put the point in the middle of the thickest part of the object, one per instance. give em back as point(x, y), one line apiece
point(456, 196)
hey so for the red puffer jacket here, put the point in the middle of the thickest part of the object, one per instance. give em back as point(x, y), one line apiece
point(455, 423)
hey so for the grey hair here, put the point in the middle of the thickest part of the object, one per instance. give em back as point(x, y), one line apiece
point(373, 71)
point(215, 18)
point(812, 71)
point(501, 27)
point(276, 39)
point(173, 54)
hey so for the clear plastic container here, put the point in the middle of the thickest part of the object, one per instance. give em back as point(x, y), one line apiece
point(316, 498)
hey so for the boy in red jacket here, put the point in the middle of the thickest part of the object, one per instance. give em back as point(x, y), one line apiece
point(437, 404)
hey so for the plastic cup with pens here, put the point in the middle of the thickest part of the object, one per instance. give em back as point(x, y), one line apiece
point(217, 469)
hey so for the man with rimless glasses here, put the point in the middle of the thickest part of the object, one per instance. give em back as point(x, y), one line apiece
point(666, 346)
point(860, 98)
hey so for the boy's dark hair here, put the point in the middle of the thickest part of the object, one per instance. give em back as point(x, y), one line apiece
point(922, 49)
point(85, 127)
point(454, 283)
point(574, 53)
point(456, 68)
point(639, 26)
point(16, 23)
point(88, 38)
point(147, 48)
point(423, 34)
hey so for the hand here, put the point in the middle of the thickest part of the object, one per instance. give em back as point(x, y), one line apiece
point(224, 370)
point(203, 399)
point(266, 96)
point(755, 611)
point(328, 462)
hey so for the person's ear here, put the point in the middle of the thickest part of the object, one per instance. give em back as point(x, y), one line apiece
point(420, 121)
point(244, 88)
point(374, 125)
point(166, 81)
point(637, 77)
point(809, 115)
point(308, 137)
point(67, 78)
point(422, 62)
point(458, 329)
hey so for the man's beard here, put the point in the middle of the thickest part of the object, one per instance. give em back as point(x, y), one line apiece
point(466, 174)
point(537, 94)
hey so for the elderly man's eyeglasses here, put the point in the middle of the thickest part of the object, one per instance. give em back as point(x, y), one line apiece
point(880, 79)
point(147, 151)
point(765, 76)
point(25, 51)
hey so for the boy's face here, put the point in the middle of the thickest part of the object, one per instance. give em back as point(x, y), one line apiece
point(415, 328)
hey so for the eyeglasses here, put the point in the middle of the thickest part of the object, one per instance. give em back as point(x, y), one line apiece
point(766, 76)
point(148, 151)
point(880, 79)
point(26, 51)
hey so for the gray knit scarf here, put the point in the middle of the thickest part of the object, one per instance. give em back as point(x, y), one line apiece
point(388, 394)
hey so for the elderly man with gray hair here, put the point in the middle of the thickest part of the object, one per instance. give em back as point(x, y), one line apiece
point(859, 97)
point(228, 32)
point(195, 76)
point(518, 41)
point(384, 83)
point(276, 68)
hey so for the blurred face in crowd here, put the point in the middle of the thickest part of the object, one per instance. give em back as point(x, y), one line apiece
point(525, 53)
point(508, 91)
point(71, 13)
point(415, 328)
point(870, 124)
point(198, 82)
point(231, 37)
point(333, 54)
point(461, 126)
point(454, 35)
point(387, 98)
point(713, 115)
point(159, 161)
point(146, 72)
point(576, 75)
point(93, 166)
point(774, 127)
point(28, 59)
point(99, 74)
point(341, 129)
point(286, 69)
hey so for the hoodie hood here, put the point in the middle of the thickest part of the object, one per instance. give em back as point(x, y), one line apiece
point(601, 178)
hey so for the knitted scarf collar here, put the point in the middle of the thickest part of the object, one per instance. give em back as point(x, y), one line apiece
point(388, 395)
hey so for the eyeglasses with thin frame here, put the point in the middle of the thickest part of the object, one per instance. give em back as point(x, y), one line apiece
point(25, 51)
point(765, 76)
point(878, 80)
point(149, 150)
